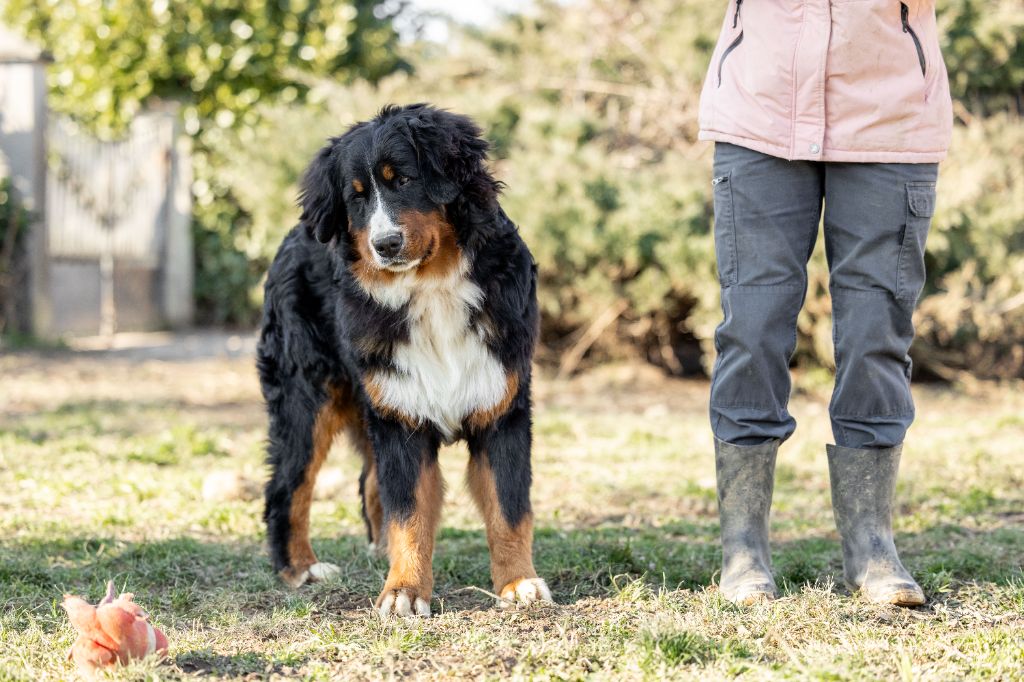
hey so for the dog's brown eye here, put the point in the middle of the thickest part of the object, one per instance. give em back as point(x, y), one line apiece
point(403, 181)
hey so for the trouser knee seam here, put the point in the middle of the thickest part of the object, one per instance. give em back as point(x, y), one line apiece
point(742, 406)
point(765, 289)
point(905, 412)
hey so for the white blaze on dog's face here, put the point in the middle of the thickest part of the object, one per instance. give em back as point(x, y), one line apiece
point(385, 233)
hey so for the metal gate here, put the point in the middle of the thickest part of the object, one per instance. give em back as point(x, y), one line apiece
point(108, 213)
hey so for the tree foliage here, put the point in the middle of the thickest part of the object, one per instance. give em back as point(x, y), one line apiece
point(984, 53)
point(224, 61)
point(592, 112)
point(591, 107)
point(220, 56)
point(14, 220)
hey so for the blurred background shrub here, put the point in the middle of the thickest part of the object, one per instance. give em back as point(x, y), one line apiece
point(591, 107)
point(14, 221)
point(223, 60)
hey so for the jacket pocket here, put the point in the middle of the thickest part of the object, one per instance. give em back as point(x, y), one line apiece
point(907, 28)
point(734, 44)
point(920, 209)
point(725, 230)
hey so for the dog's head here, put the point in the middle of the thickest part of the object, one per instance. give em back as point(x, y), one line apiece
point(385, 188)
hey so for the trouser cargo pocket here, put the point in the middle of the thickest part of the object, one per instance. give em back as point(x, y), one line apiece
point(911, 272)
point(725, 230)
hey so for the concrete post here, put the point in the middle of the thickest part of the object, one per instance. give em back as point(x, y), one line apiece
point(179, 265)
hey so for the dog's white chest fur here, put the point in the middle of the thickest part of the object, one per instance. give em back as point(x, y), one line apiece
point(445, 371)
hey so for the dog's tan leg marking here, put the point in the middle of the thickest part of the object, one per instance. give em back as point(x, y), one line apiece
point(512, 572)
point(410, 582)
point(371, 489)
point(303, 567)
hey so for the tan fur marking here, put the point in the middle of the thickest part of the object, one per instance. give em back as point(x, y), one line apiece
point(429, 238)
point(371, 488)
point(337, 412)
point(481, 419)
point(411, 542)
point(444, 247)
point(511, 548)
point(387, 172)
point(357, 186)
point(374, 509)
point(374, 393)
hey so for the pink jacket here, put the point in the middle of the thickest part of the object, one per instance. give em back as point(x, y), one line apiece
point(830, 80)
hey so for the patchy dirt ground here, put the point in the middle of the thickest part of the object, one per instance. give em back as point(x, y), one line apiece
point(104, 456)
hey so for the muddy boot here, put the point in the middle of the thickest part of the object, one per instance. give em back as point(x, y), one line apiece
point(746, 478)
point(863, 483)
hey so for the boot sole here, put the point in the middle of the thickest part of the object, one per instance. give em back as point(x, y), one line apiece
point(756, 598)
point(752, 598)
point(894, 598)
point(902, 598)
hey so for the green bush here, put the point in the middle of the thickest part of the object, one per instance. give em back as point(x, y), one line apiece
point(225, 61)
point(244, 203)
point(984, 53)
point(596, 140)
point(972, 318)
point(13, 227)
point(220, 56)
point(592, 111)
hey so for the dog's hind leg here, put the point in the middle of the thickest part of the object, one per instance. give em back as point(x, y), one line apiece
point(300, 438)
point(369, 488)
point(499, 481)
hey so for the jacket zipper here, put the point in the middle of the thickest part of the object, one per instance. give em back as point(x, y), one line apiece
point(907, 28)
point(734, 44)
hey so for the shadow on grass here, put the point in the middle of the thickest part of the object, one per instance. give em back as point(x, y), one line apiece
point(182, 577)
point(687, 556)
point(225, 583)
point(206, 662)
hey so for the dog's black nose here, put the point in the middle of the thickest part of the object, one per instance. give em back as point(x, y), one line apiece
point(389, 245)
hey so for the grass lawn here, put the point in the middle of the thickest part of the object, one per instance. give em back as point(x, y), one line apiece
point(103, 460)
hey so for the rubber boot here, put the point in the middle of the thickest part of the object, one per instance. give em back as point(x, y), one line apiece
point(746, 478)
point(863, 483)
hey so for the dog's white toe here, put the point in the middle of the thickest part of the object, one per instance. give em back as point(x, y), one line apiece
point(402, 602)
point(524, 591)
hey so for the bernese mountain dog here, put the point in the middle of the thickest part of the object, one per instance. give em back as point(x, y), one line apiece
point(402, 310)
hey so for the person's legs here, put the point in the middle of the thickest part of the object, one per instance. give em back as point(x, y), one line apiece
point(766, 221)
point(876, 223)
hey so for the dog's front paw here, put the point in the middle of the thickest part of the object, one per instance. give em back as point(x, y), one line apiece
point(314, 573)
point(524, 591)
point(403, 601)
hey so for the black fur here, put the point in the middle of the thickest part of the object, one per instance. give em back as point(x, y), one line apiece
point(321, 329)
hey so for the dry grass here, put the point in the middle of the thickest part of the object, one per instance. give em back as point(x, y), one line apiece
point(102, 462)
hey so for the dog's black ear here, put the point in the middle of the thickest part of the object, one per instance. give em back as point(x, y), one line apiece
point(320, 196)
point(451, 152)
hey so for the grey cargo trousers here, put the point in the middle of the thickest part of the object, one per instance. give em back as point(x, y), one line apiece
point(767, 212)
